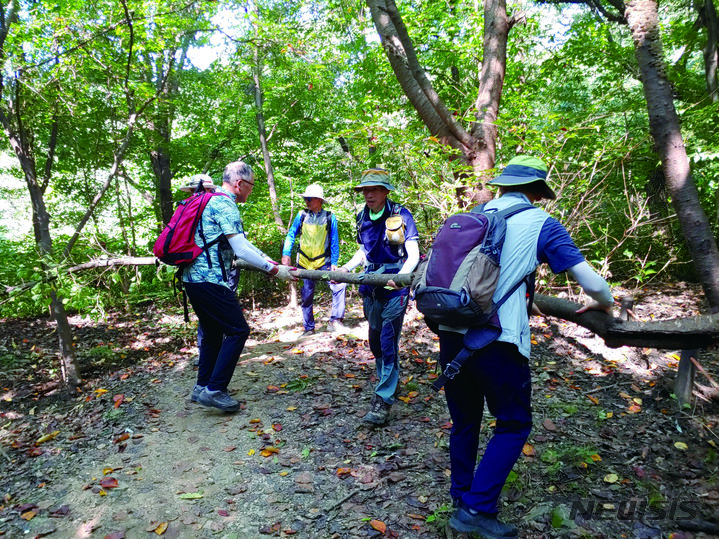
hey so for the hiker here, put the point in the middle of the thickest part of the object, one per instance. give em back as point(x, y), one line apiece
point(233, 278)
point(319, 249)
point(387, 238)
point(499, 372)
point(205, 281)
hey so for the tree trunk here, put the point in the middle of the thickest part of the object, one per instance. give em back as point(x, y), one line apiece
point(664, 126)
point(41, 226)
point(162, 126)
point(711, 49)
point(160, 160)
point(269, 171)
point(478, 147)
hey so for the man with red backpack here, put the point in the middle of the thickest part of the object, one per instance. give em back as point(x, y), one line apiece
point(498, 372)
point(205, 281)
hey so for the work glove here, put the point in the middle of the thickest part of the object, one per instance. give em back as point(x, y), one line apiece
point(283, 273)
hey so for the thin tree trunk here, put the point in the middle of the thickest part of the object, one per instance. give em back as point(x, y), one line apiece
point(259, 114)
point(41, 226)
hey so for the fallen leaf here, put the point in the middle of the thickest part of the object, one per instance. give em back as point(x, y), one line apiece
point(378, 525)
point(161, 528)
point(118, 400)
point(594, 399)
point(549, 425)
point(47, 437)
point(611, 478)
point(109, 482)
point(107, 470)
point(28, 515)
point(124, 436)
point(681, 445)
point(528, 450)
point(269, 451)
point(190, 496)
point(223, 513)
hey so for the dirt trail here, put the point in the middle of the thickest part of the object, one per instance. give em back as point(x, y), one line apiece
point(297, 460)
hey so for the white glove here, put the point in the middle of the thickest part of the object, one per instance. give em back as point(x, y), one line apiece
point(283, 273)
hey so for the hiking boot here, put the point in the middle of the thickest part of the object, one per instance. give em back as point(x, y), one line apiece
point(218, 399)
point(194, 396)
point(308, 332)
point(467, 520)
point(378, 412)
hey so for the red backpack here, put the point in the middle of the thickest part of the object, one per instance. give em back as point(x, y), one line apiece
point(176, 245)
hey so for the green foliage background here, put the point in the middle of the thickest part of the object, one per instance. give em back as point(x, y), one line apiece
point(572, 96)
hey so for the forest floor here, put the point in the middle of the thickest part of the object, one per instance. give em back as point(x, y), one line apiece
point(611, 454)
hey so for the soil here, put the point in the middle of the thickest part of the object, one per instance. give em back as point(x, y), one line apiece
point(611, 454)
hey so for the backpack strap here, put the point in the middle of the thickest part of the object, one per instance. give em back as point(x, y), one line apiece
point(486, 334)
point(483, 336)
point(506, 213)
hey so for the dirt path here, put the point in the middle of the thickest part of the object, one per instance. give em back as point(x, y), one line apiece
point(132, 457)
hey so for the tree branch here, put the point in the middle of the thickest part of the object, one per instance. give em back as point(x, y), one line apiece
point(677, 334)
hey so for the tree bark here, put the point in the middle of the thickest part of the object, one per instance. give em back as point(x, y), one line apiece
point(478, 147)
point(259, 114)
point(711, 49)
point(664, 126)
point(41, 226)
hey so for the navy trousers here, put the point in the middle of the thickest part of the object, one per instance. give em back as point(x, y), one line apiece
point(308, 295)
point(224, 332)
point(385, 317)
point(499, 374)
point(233, 280)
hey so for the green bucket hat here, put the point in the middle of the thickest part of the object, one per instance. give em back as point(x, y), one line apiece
point(522, 170)
point(374, 176)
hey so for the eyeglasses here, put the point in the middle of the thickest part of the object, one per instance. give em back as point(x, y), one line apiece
point(246, 181)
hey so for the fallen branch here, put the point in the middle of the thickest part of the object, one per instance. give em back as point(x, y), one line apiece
point(677, 334)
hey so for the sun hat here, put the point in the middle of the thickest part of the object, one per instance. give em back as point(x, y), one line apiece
point(374, 177)
point(524, 169)
point(195, 180)
point(314, 190)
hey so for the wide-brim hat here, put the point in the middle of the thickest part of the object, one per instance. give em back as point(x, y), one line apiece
point(374, 177)
point(195, 180)
point(314, 190)
point(523, 170)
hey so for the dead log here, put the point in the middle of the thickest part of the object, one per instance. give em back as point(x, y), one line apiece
point(697, 332)
point(678, 334)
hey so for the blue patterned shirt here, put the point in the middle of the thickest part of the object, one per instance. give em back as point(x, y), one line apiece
point(220, 218)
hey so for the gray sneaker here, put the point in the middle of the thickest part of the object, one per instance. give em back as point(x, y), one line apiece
point(218, 399)
point(336, 326)
point(378, 412)
point(194, 396)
